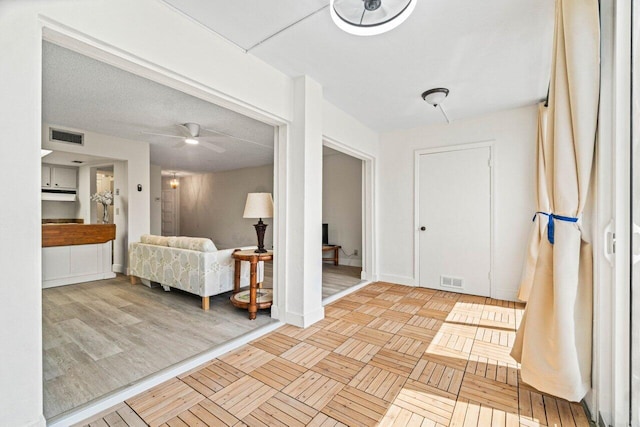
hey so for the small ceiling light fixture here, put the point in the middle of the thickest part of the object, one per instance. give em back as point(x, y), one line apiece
point(194, 133)
point(174, 183)
point(44, 152)
point(370, 17)
point(435, 98)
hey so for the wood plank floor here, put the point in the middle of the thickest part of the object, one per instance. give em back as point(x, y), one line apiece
point(100, 336)
point(335, 278)
point(385, 355)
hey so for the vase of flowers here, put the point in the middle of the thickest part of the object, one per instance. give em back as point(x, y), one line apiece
point(106, 199)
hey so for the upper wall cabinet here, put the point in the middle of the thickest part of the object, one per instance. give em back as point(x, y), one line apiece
point(59, 177)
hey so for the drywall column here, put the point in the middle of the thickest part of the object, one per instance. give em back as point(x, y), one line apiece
point(304, 207)
point(121, 215)
point(20, 229)
point(85, 186)
point(155, 193)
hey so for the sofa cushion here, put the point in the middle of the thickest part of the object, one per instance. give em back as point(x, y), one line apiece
point(151, 239)
point(192, 243)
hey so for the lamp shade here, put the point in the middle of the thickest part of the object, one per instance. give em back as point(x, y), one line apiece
point(259, 205)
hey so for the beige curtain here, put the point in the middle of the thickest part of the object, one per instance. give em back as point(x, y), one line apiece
point(553, 342)
point(539, 222)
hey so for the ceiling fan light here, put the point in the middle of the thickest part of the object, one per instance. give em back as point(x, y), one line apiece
point(369, 17)
point(191, 141)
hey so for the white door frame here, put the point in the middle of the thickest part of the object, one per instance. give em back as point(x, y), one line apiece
point(369, 264)
point(416, 202)
point(78, 42)
point(71, 39)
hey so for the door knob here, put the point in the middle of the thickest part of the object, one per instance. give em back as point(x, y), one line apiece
point(423, 228)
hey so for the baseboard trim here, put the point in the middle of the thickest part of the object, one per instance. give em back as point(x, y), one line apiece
point(505, 294)
point(103, 403)
point(601, 422)
point(40, 422)
point(590, 418)
point(351, 262)
point(118, 268)
point(305, 320)
point(54, 283)
point(400, 280)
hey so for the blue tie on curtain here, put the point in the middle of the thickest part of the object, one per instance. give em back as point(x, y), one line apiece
point(550, 225)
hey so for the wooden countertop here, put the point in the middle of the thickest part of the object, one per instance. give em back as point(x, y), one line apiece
point(62, 220)
point(76, 234)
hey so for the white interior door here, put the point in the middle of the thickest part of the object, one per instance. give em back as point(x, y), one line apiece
point(455, 220)
point(169, 213)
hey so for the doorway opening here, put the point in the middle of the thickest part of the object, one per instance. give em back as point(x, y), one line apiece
point(341, 221)
point(105, 338)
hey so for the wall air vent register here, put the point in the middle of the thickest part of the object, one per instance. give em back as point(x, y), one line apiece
point(451, 282)
point(66, 136)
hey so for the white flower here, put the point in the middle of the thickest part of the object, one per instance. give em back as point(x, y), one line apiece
point(104, 197)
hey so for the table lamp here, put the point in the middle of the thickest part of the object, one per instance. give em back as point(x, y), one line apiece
point(259, 205)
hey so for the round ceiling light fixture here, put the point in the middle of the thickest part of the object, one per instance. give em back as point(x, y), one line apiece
point(370, 17)
point(435, 98)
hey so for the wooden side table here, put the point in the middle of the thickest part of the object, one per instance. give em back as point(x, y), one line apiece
point(255, 301)
point(336, 251)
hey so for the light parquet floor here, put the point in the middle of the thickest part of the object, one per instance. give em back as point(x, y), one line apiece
point(385, 355)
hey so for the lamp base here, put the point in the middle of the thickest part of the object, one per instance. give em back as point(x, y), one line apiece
point(261, 227)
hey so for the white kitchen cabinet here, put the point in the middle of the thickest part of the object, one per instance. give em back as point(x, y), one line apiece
point(46, 176)
point(59, 177)
point(66, 265)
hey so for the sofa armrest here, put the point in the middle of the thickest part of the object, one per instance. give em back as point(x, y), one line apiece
point(219, 271)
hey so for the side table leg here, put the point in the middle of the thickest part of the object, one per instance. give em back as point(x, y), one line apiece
point(335, 256)
point(253, 290)
point(236, 277)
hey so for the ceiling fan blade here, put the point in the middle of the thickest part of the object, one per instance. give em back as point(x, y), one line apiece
point(211, 146)
point(163, 134)
point(238, 138)
point(179, 145)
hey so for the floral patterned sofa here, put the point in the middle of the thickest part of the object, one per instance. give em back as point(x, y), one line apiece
point(192, 264)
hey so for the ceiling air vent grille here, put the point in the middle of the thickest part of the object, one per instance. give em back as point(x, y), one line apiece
point(66, 136)
point(451, 282)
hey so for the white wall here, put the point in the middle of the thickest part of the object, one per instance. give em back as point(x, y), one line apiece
point(113, 31)
point(131, 207)
point(337, 126)
point(58, 210)
point(155, 199)
point(211, 205)
point(342, 204)
point(514, 133)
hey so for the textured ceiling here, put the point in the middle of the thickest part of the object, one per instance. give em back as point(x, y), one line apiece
point(83, 93)
point(492, 54)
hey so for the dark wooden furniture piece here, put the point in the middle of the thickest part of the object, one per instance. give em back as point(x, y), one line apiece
point(238, 299)
point(336, 251)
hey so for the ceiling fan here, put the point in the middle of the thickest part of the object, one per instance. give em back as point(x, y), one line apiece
point(191, 136)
